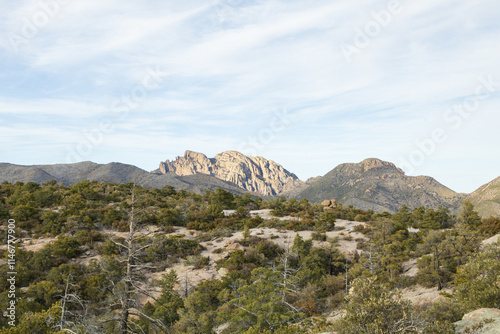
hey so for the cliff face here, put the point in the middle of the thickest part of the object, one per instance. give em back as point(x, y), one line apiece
point(254, 174)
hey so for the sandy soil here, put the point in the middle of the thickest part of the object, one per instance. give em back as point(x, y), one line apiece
point(265, 213)
point(410, 268)
point(30, 244)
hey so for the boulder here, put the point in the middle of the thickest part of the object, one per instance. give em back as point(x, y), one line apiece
point(484, 321)
point(223, 272)
point(329, 204)
point(235, 246)
point(326, 202)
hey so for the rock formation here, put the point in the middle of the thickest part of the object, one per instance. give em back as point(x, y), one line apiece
point(329, 205)
point(254, 174)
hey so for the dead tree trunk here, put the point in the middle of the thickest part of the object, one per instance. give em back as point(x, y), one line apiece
point(127, 286)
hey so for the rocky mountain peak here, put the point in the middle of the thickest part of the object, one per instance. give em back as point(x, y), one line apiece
point(372, 163)
point(255, 174)
point(195, 156)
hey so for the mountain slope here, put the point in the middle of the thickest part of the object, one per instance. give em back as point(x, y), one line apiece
point(486, 199)
point(254, 174)
point(113, 172)
point(377, 185)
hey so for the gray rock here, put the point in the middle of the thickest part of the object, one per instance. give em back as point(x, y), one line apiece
point(482, 321)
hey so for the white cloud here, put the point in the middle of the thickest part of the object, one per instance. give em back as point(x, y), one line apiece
point(50, 107)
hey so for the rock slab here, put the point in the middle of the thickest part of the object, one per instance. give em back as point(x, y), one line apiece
point(483, 321)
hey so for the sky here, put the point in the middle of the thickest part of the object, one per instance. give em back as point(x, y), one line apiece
point(308, 84)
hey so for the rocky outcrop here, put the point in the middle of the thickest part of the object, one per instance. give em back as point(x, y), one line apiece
point(484, 321)
point(254, 174)
point(329, 204)
point(192, 163)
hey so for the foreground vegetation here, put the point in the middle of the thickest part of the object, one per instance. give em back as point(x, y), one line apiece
point(265, 288)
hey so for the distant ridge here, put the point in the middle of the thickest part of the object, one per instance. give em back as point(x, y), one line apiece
point(113, 172)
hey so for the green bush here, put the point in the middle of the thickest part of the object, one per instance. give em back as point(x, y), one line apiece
point(477, 282)
point(197, 261)
point(66, 247)
point(373, 308)
point(109, 248)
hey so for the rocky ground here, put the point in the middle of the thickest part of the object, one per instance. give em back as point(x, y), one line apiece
point(344, 238)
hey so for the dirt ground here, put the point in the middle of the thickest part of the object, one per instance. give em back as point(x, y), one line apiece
point(33, 245)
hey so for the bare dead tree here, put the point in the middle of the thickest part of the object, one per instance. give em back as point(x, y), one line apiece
point(371, 259)
point(288, 283)
point(131, 286)
point(187, 285)
point(74, 316)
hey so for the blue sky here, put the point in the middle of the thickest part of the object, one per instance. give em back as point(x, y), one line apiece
point(308, 84)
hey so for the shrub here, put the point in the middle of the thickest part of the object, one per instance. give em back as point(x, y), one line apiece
point(318, 236)
point(373, 308)
point(198, 261)
point(477, 281)
point(172, 247)
point(89, 237)
point(66, 247)
point(362, 229)
point(109, 248)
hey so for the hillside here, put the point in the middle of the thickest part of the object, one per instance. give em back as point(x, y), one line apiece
point(224, 262)
point(377, 185)
point(486, 199)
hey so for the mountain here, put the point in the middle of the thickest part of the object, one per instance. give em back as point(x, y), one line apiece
point(114, 173)
point(486, 199)
point(377, 185)
point(254, 174)
point(372, 184)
